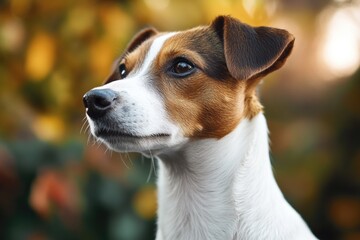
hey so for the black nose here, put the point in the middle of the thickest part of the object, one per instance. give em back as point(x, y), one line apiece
point(99, 101)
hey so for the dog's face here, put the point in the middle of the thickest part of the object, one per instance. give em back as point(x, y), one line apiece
point(169, 88)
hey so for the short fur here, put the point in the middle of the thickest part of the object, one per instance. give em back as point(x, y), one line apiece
point(206, 129)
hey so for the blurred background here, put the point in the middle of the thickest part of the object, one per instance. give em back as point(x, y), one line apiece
point(55, 183)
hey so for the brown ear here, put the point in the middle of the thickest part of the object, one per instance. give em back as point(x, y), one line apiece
point(141, 37)
point(252, 52)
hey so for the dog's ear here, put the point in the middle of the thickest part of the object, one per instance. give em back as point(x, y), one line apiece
point(252, 52)
point(141, 37)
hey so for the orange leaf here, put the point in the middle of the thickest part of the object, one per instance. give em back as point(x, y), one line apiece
point(145, 203)
point(52, 188)
point(48, 127)
point(40, 56)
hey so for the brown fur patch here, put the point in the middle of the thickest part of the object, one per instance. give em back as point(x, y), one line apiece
point(231, 58)
point(209, 103)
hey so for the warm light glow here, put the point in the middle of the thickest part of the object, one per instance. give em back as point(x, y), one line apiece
point(40, 56)
point(48, 128)
point(254, 7)
point(341, 49)
point(157, 5)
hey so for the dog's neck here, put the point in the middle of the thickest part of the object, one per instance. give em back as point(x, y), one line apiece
point(223, 189)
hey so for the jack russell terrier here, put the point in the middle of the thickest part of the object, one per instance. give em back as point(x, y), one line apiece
point(189, 99)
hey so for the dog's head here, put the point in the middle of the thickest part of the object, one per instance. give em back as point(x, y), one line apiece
point(168, 88)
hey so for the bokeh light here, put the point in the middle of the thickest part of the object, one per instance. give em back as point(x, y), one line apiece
point(341, 49)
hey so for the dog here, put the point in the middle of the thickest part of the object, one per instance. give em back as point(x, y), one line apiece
point(189, 98)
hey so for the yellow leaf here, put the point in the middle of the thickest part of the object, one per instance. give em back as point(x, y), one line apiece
point(80, 20)
point(48, 128)
point(20, 7)
point(60, 87)
point(40, 56)
point(101, 58)
point(144, 202)
point(117, 23)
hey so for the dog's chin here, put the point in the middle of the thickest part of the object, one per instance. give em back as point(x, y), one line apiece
point(125, 142)
point(136, 144)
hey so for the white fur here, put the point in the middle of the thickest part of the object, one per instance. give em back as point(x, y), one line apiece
point(225, 189)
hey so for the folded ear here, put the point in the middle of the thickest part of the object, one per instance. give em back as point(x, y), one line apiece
point(141, 37)
point(252, 52)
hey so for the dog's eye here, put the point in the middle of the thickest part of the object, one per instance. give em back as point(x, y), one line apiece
point(122, 71)
point(182, 68)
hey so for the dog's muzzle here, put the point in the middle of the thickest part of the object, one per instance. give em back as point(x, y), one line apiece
point(99, 101)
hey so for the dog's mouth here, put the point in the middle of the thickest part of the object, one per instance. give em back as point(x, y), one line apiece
point(130, 142)
point(114, 134)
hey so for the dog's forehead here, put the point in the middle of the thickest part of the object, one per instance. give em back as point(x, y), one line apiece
point(139, 60)
point(200, 39)
point(143, 56)
point(201, 42)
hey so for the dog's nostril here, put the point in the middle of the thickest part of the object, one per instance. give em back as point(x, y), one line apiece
point(99, 101)
point(102, 102)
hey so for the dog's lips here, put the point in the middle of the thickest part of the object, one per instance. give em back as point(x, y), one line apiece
point(113, 134)
point(122, 141)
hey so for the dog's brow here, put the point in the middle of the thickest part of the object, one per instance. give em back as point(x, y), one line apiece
point(154, 51)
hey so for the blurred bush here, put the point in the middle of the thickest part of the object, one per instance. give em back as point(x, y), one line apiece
point(56, 184)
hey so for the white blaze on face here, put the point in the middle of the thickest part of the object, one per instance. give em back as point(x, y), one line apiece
point(153, 53)
point(141, 110)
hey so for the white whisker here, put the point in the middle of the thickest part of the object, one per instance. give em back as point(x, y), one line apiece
point(153, 162)
point(128, 157)
point(90, 138)
point(82, 126)
point(98, 142)
point(150, 172)
point(106, 151)
point(87, 129)
point(122, 159)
